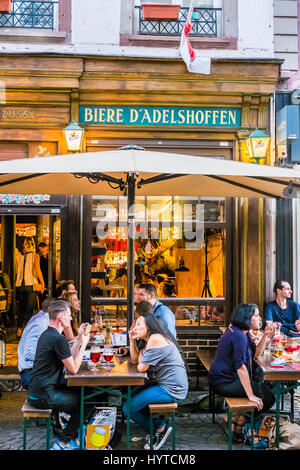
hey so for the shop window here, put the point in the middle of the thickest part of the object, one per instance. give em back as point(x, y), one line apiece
point(180, 246)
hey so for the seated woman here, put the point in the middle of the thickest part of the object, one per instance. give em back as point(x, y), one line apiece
point(233, 372)
point(72, 331)
point(171, 382)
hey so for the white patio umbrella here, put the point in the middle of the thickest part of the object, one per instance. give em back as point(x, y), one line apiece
point(169, 174)
point(143, 172)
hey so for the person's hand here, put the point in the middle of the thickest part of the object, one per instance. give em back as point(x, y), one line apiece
point(256, 400)
point(297, 324)
point(122, 350)
point(132, 334)
point(82, 328)
point(121, 322)
point(269, 329)
point(84, 340)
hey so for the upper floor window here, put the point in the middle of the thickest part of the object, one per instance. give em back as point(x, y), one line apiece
point(32, 14)
point(206, 18)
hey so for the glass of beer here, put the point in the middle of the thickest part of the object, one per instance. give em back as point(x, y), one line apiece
point(283, 340)
point(278, 349)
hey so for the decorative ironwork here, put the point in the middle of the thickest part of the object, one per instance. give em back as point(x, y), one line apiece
point(30, 14)
point(204, 23)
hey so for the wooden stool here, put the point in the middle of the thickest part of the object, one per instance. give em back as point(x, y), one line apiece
point(35, 414)
point(241, 406)
point(163, 408)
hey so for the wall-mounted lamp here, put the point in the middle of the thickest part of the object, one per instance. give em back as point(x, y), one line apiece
point(74, 136)
point(257, 145)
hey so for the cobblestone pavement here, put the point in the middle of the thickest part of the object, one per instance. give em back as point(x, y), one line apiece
point(195, 430)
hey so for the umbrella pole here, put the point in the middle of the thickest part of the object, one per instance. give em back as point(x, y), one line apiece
point(130, 248)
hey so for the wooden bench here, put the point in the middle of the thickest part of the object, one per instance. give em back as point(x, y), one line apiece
point(234, 405)
point(239, 406)
point(163, 408)
point(35, 414)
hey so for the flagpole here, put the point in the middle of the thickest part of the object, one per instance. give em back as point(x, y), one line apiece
point(191, 9)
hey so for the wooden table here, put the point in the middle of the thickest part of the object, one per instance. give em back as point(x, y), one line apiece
point(123, 374)
point(278, 376)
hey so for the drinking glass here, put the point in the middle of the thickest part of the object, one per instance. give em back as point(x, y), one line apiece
point(277, 328)
point(283, 341)
point(95, 356)
point(278, 349)
point(108, 354)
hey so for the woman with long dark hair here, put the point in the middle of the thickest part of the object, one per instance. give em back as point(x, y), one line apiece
point(233, 372)
point(171, 382)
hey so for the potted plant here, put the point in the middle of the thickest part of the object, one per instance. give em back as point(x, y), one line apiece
point(5, 6)
point(160, 12)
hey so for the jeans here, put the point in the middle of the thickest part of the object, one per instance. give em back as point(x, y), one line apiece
point(63, 399)
point(26, 298)
point(140, 399)
point(25, 378)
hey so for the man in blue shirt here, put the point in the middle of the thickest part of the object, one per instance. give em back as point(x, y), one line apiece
point(148, 292)
point(28, 343)
point(284, 310)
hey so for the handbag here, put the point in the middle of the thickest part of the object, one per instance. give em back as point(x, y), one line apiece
point(37, 288)
point(289, 435)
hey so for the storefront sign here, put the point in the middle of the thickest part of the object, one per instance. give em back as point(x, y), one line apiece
point(13, 114)
point(38, 116)
point(159, 116)
point(287, 126)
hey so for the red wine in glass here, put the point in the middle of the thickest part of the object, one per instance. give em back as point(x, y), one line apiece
point(108, 357)
point(95, 356)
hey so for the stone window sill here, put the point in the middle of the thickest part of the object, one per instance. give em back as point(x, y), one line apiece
point(31, 35)
point(167, 41)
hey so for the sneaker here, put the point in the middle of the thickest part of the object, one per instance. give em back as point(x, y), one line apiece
point(63, 419)
point(74, 444)
point(161, 437)
point(147, 439)
point(60, 446)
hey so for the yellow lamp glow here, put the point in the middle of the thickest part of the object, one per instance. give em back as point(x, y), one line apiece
point(257, 145)
point(74, 136)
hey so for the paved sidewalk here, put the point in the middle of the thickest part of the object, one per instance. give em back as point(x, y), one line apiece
point(195, 430)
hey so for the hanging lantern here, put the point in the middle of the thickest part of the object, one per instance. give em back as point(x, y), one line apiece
point(74, 136)
point(257, 145)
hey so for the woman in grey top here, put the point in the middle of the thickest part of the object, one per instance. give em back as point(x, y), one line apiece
point(165, 361)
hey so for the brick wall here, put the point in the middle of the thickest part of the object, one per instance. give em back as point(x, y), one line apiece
point(189, 343)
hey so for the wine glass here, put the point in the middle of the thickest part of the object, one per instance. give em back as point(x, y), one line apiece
point(108, 354)
point(95, 356)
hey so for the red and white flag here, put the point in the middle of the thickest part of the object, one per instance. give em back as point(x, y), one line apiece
point(194, 63)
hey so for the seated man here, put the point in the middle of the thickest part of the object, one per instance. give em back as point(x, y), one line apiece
point(284, 310)
point(148, 292)
point(29, 339)
point(47, 387)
